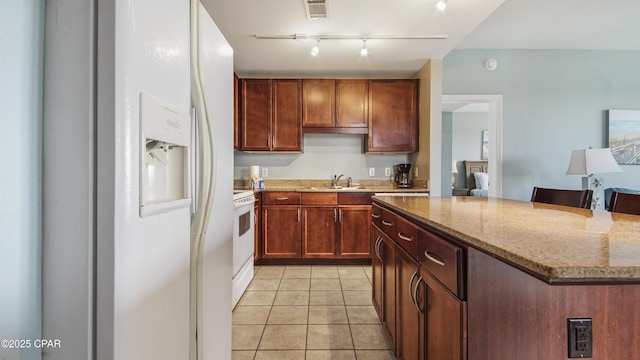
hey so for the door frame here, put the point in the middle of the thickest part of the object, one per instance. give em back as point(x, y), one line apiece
point(494, 103)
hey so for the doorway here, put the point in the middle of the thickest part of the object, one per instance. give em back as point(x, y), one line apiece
point(493, 105)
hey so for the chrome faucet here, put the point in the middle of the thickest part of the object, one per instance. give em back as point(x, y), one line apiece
point(336, 178)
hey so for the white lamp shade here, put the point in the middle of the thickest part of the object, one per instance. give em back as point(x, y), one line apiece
point(592, 161)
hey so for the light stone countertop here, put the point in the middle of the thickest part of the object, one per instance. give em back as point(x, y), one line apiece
point(557, 244)
point(315, 185)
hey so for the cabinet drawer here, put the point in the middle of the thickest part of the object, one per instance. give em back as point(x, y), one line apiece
point(388, 223)
point(319, 198)
point(359, 198)
point(376, 215)
point(407, 236)
point(443, 259)
point(281, 198)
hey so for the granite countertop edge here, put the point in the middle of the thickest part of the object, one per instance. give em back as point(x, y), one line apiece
point(548, 273)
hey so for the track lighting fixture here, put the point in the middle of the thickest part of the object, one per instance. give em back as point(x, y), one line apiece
point(441, 5)
point(316, 49)
point(364, 51)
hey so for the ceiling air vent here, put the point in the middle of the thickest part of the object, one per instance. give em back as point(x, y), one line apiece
point(316, 9)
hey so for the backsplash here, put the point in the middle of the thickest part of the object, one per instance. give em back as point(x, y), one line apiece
point(324, 156)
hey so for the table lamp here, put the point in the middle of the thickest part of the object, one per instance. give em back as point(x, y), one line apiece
point(589, 162)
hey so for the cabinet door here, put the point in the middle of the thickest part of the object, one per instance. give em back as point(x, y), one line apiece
point(355, 226)
point(319, 231)
point(352, 103)
point(387, 249)
point(393, 116)
point(445, 335)
point(408, 317)
point(287, 116)
point(318, 102)
point(377, 273)
point(256, 114)
point(281, 231)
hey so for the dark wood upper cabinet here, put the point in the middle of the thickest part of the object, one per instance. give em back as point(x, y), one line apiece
point(318, 102)
point(256, 114)
point(335, 106)
point(287, 114)
point(393, 116)
point(352, 103)
point(271, 115)
point(275, 112)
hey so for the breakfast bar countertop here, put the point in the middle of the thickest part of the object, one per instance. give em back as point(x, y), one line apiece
point(557, 244)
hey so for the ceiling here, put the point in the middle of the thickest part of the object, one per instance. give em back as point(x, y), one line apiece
point(467, 24)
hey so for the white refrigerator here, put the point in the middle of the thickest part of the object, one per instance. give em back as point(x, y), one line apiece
point(118, 285)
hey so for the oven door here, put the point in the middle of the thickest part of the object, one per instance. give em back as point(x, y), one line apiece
point(243, 235)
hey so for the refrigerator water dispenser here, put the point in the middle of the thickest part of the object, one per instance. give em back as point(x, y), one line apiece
point(165, 136)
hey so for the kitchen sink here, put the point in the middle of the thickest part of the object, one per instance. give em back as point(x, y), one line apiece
point(338, 188)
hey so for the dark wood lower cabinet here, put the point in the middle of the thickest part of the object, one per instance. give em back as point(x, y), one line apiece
point(410, 336)
point(421, 317)
point(319, 231)
point(316, 228)
point(384, 283)
point(281, 238)
point(354, 231)
point(445, 321)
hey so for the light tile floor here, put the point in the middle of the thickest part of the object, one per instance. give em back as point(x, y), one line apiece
point(308, 313)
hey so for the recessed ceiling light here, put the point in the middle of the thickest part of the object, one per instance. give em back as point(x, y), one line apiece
point(441, 5)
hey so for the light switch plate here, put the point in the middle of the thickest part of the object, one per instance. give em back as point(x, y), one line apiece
point(387, 171)
point(265, 172)
point(372, 171)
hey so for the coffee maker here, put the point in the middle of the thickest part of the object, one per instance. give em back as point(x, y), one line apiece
point(402, 175)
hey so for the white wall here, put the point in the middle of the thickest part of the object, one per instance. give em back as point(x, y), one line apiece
point(324, 155)
point(553, 102)
point(21, 34)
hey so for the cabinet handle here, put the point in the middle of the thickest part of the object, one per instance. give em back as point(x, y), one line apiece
point(433, 259)
point(415, 295)
point(298, 214)
point(413, 299)
point(405, 238)
point(340, 216)
point(387, 223)
point(282, 199)
point(375, 216)
point(377, 248)
point(335, 215)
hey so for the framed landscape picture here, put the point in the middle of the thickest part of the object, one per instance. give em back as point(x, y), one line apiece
point(624, 135)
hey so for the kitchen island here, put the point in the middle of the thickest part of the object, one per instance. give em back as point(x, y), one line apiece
point(511, 276)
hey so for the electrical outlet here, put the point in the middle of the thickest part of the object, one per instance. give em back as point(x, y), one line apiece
point(580, 338)
point(372, 171)
point(387, 171)
point(265, 172)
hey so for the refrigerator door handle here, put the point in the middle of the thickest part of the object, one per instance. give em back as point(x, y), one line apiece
point(193, 160)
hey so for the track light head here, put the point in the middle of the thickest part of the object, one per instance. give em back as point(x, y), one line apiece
point(364, 51)
point(316, 49)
